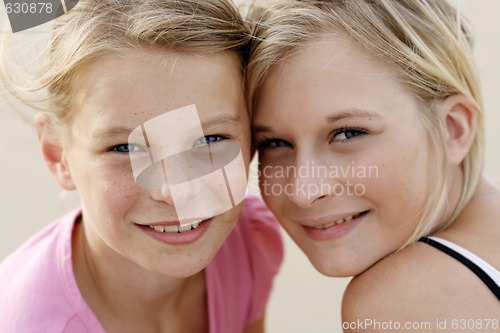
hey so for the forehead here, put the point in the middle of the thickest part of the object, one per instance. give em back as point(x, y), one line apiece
point(334, 56)
point(135, 86)
point(328, 75)
point(332, 60)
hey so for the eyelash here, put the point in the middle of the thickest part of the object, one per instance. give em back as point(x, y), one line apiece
point(206, 142)
point(267, 143)
point(116, 148)
point(343, 130)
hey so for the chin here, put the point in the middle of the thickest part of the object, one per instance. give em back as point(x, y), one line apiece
point(330, 267)
point(183, 271)
point(334, 271)
point(179, 267)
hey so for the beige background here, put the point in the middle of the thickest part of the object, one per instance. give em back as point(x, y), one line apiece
point(303, 300)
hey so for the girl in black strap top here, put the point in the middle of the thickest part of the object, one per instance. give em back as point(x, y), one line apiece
point(369, 123)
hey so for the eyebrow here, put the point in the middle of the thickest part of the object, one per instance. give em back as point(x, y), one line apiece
point(113, 132)
point(221, 119)
point(337, 116)
point(259, 128)
point(352, 113)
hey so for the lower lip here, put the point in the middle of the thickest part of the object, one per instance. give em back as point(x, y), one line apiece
point(176, 238)
point(335, 231)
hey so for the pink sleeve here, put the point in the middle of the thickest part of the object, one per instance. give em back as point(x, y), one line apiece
point(265, 252)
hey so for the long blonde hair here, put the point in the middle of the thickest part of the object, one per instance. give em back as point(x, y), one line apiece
point(427, 42)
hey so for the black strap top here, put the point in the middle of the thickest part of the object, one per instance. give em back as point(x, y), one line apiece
point(474, 263)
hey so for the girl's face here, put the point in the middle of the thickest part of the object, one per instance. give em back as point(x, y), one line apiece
point(121, 93)
point(344, 159)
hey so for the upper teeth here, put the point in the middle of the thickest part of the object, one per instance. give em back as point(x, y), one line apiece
point(175, 228)
point(339, 221)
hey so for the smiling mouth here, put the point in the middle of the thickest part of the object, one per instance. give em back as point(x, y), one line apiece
point(340, 221)
point(177, 228)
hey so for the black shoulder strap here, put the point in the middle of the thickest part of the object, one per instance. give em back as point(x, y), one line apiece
point(472, 266)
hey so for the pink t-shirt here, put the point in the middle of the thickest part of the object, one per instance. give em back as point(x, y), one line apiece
point(39, 294)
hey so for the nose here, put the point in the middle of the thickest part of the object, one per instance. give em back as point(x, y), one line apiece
point(309, 182)
point(161, 190)
point(163, 194)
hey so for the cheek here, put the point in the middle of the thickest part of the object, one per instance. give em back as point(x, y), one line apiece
point(272, 184)
point(403, 179)
point(412, 169)
point(108, 190)
point(117, 191)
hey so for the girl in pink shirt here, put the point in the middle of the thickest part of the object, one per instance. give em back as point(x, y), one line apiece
point(147, 121)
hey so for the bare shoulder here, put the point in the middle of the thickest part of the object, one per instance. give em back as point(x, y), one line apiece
point(415, 290)
point(394, 289)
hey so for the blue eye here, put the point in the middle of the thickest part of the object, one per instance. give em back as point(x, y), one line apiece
point(209, 140)
point(272, 143)
point(347, 133)
point(126, 148)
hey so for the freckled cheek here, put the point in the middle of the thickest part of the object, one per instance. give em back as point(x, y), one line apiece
point(119, 191)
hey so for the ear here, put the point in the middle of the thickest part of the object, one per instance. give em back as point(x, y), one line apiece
point(53, 151)
point(460, 118)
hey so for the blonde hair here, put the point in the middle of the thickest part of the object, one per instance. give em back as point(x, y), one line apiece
point(427, 42)
point(94, 28)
